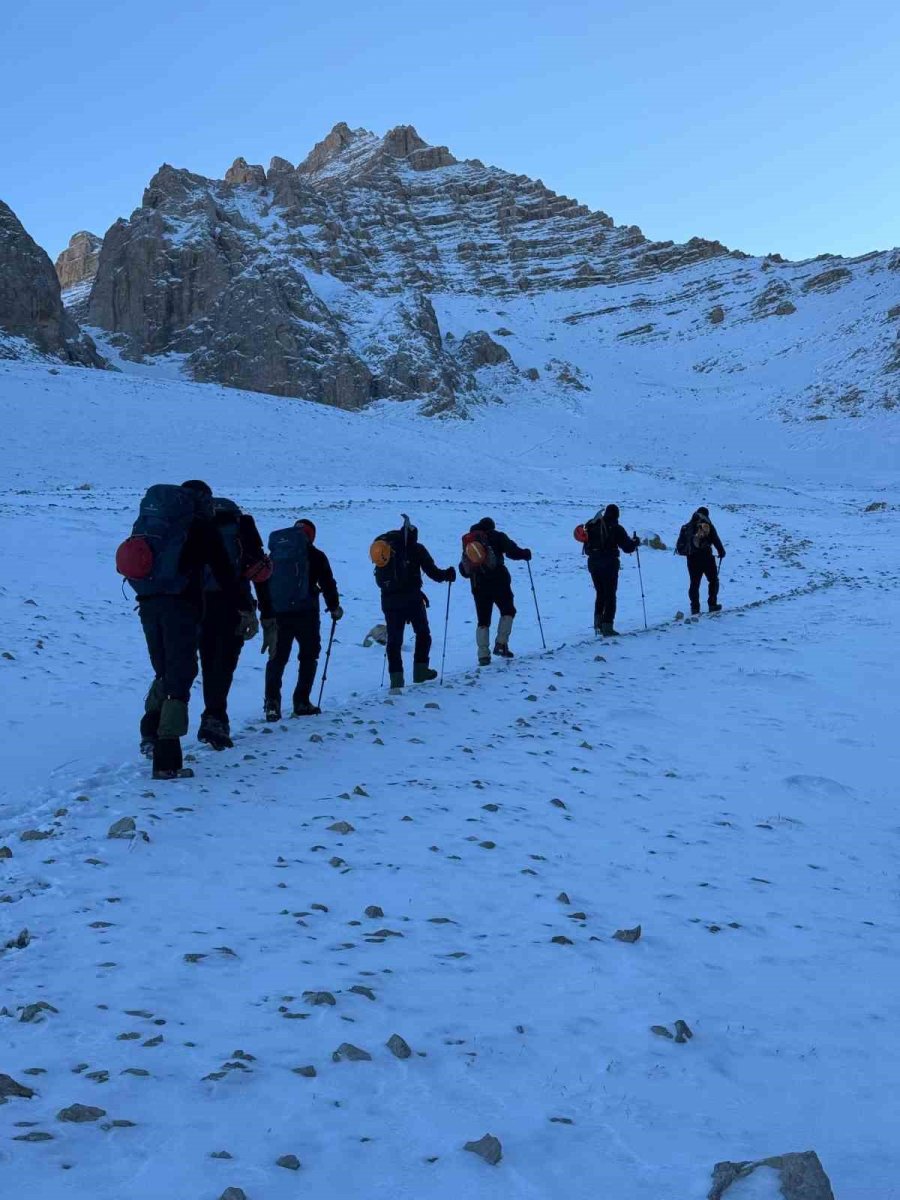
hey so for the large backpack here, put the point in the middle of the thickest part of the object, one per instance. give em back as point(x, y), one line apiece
point(597, 533)
point(289, 585)
point(227, 518)
point(394, 572)
point(694, 536)
point(683, 545)
point(478, 555)
point(151, 558)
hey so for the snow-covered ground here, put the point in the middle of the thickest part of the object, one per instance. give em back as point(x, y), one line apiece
point(729, 785)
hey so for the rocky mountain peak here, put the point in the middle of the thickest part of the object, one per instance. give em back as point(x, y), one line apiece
point(241, 171)
point(78, 262)
point(402, 140)
point(330, 147)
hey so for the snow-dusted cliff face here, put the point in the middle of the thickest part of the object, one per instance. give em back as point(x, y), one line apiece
point(381, 267)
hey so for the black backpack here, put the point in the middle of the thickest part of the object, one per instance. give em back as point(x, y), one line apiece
point(598, 535)
point(161, 530)
point(289, 586)
point(397, 573)
point(227, 518)
point(683, 545)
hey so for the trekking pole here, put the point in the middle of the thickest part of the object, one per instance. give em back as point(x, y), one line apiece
point(327, 658)
point(536, 608)
point(446, 623)
point(641, 578)
point(383, 665)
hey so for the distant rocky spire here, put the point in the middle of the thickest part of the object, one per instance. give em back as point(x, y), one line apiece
point(78, 262)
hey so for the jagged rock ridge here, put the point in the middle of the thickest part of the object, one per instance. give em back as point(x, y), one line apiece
point(32, 316)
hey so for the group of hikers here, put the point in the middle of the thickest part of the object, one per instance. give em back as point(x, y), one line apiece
point(201, 574)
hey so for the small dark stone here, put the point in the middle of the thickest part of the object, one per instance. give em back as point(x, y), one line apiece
point(80, 1113)
point(289, 1161)
point(628, 935)
point(398, 1047)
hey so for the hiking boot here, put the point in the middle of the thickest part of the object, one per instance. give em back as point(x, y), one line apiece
point(304, 708)
point(148, 745)
point(422, 673)
point(715, 608)
point(397, 681)
point(214, 733)
point(503, 651)
point(181, 773)
point(484, 662)
point(608, 631)
point(272, 710)
point(695, 611)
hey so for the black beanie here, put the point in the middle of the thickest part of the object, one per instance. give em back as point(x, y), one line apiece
point(487, 524)
point(703, 512)
point(197, 485)
point(612, 511)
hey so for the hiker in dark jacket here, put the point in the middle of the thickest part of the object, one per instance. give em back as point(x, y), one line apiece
point(605, 538)
point(697, 540)
point(400, 558)
point(225, 627)
point(171, 624)
point(290, 620)
point(485, 549)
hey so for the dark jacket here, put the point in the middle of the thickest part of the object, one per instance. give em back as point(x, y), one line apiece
point(714, 542)
point(321, 583)
point(503, 547)
point(419, 560)
point(203, 547)
point(617, 539)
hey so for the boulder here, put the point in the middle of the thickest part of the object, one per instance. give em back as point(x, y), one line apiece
point(801, 1176)
point(478, 349)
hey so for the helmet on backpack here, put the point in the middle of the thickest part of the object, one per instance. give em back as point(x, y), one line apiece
point(580, 534)
point(134, 558)
point(380, 552)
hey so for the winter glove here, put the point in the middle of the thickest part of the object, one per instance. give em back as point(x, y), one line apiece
point(270, 634)
point(450, 575)
point(336, 613)
point(722, 555)
point(248, 626)
point(527, 555)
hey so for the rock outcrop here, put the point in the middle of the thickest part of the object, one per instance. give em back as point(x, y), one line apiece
point(32, 316)
point(799, 1176)
point(78, 262)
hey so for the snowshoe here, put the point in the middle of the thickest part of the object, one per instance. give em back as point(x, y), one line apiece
point(503, 651)
point(272, 711)
point(306, 709)
point(181, 773)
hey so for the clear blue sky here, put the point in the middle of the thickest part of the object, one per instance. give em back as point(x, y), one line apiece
point(769, 125)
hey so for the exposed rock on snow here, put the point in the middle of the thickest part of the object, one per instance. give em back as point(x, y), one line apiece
point(31, 309)
point(398, 1047)
point(801, 1176)
point(487, 1147)
point(9, 1088)
point(80, 1113)
point(123, 828)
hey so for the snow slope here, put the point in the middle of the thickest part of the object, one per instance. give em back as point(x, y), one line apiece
point(729, 785)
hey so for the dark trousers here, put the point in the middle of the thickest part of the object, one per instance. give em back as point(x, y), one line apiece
point(698, 566)
point(408, 611)
point(304, 629)
point(606, 581)
point(171, 627)
point(220, 649)
point(486, 595)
